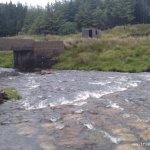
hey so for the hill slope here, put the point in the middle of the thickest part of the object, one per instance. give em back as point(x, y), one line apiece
point(124, 48)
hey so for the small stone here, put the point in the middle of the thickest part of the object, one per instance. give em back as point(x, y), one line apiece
point(47, 146)
point(60, 126)
point(120, 130)
point(80, 111)
point(72, 117)
point(45, 138)
point(44, 72)
point(127, 137)
point(25, 130)
point(145, 135)
point(139, 125)
point(69, 133)
point(49, 126)
point(129, 147)
point(124, 134)
point(73, 143)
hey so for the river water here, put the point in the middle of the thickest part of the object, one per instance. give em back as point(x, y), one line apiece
point(76, 110)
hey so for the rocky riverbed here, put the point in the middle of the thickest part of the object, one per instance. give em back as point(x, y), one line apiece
point(76, 110)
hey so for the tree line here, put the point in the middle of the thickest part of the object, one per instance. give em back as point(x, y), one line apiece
point(67, 17)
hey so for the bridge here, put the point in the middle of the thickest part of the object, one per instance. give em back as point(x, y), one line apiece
point(30, 54)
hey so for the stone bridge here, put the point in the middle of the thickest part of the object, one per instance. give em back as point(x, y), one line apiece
point(30, 54)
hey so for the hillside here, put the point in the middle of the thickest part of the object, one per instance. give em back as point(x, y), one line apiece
point(123, 48)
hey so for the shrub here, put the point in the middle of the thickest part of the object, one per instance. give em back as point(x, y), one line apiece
point(11, 93)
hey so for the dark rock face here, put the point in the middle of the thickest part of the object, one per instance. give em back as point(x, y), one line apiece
point(3, 97)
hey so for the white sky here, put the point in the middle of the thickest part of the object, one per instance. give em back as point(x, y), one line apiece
point(29, 2)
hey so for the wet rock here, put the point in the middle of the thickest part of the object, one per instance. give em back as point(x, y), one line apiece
point(3, 97)
point(93, 112)
point(113, 139)
point(145, 135)
point(69, 133)
point(139, 125)
point(127, 137)
point(120, 130)
point(54, 117)
point(124, 135)
point(5, 72)
point(96, 136)
point(44, 72)
point(71, 127)
point(24, 129)
point(142, 99)
point(60, 126)
point(79, 111)
point(45, 138)
point(72, 118)
point(47, 146)
point(5, 123)
point(49, 126)
point(72, 143)
point(129, 147)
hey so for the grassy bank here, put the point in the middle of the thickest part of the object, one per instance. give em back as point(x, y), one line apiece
point(6, 59)
point(123, 48)
point(9, 93)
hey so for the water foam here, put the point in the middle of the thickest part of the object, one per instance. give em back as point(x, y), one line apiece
point(99, 83)
point(114, 140)
point(89, 126)
point(114, 105)
point(28, 106)
point(116, 84)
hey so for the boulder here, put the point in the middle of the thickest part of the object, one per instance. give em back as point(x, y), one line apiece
point(44, 72)
point(3, 97)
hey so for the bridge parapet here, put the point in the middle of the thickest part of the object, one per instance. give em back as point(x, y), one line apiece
point(29, 54)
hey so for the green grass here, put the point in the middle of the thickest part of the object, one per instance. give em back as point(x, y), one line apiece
point(123, 48)
point(127, 31)
point(108, 55)
point(6, 59)
point(11, 93)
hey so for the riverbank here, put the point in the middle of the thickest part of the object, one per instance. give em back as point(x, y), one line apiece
point(8, 93)
point(123, 49)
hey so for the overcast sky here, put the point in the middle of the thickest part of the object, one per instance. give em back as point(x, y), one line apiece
point(30, 2)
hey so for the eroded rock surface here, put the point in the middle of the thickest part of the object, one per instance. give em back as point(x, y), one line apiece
point(77, 110)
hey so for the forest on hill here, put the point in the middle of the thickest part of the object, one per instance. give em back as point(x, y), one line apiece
point(70, 16)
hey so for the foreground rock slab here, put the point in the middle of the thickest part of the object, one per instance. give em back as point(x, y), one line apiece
point(72, 110)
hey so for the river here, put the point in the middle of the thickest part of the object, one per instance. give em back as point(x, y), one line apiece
point(76, 110)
